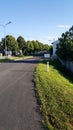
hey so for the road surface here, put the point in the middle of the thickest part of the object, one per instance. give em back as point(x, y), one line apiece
point(18, 106)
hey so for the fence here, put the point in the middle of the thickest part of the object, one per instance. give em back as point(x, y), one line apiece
point(67, 64)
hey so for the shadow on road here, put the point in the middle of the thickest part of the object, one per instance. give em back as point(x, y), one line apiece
point(27, 61)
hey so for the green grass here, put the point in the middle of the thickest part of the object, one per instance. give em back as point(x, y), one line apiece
point(4, 60)
point(20, 58)
point(55, 92)
point(14, 58)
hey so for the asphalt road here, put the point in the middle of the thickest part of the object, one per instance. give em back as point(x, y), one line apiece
point(18, 106)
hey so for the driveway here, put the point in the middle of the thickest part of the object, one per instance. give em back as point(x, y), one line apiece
point(18, 105)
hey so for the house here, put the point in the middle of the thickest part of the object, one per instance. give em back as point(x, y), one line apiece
point(54, 47)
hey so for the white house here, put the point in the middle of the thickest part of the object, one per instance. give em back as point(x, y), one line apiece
point(54, 47)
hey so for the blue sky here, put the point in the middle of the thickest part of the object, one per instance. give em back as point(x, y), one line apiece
point(42, 20)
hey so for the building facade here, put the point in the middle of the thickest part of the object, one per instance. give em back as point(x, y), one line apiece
point(55, 47)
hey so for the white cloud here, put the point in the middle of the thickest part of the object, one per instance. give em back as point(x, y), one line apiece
point(63, 26)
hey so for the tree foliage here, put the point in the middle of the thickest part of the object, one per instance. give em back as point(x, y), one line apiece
point(21, 43)
point(24, 47)
point(65, 47)
point(30, 47)
point(11, 43)
point(34, 47)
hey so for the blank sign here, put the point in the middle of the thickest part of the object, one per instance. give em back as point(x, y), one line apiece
point(46, 55)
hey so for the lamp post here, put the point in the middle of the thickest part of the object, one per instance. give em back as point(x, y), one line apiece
point(4, 26)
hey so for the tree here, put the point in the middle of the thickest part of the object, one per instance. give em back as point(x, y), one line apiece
point(41, 46)
point(11, 43)
point(46, 47)
point(30, 47)
point(1, 48)
point(21, 43)
point(65, 47)
point(22, 46)
point(36, 46)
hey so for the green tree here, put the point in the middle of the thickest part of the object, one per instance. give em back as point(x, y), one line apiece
point(65, 47)
point(30, 47)
point(46, 47)
point(36, 46)
point(21, 43)
point(41, 46)
point(11, 43)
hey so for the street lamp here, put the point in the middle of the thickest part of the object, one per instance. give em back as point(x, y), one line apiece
point(4, 26)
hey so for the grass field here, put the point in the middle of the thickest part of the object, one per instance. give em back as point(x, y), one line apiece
point(55, 93)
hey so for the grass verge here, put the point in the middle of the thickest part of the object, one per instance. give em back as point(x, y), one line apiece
point(5, 60)
point(20, 58)
point(14, 58)
point(55, 91)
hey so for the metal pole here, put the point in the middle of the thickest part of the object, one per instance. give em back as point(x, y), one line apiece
point(5, 46)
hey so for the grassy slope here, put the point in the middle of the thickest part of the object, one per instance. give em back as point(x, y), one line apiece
point(56, 94)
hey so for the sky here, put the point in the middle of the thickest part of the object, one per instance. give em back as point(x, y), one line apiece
point(42, 20)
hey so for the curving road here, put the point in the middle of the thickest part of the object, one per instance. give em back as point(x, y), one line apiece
point(18, 106)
